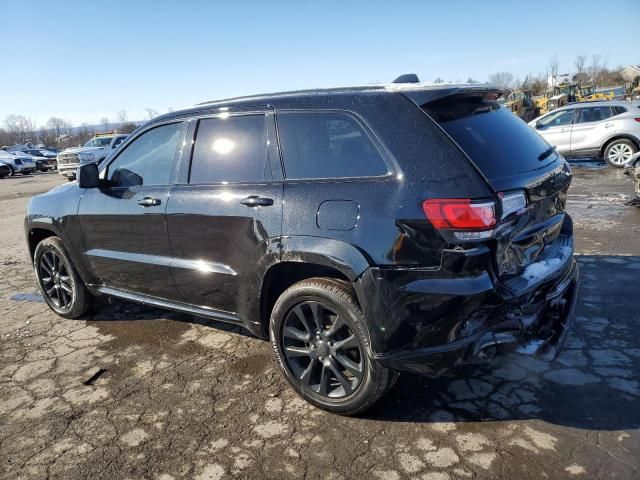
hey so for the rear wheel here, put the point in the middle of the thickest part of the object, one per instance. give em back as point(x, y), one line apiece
point(320, 340)
point(619, 152)
point(60, 284)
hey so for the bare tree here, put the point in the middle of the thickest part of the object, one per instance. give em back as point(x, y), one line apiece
point(580, 63)
point(122, 117)
point(5, 137)
point(472, 80)
point(554, 64)
point(151, 113)
point(21, 129)
point(595, 68)
point(105, 123)
point(439, 80)
point(503, 80)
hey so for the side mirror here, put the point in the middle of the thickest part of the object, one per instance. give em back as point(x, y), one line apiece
point(88, 176)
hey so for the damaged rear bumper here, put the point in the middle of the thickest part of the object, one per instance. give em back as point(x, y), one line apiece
point(475, 322)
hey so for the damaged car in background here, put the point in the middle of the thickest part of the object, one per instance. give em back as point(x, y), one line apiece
point(365, 231)
point(18, 163)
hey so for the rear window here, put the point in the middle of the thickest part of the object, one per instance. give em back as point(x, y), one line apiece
point(327, 145)
point(498, 142)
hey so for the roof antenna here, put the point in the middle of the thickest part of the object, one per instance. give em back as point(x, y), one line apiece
point(407, 78)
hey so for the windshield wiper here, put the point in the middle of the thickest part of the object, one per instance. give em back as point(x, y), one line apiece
point(547, 152)
point(483, 109)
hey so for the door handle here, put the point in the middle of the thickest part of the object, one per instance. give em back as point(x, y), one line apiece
point(149, 202)
point(256, 201)
point(607, 125)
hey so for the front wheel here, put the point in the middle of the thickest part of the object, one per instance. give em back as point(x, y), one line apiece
point(60, 284)
point(619, 152)
point(321, 343)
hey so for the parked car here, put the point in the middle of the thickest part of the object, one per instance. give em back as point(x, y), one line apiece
point(46, 158)
point(5, 169)
point(94, 151)
point(344, 225)
point(18, 163)
point(608, 130)
point(42, 163)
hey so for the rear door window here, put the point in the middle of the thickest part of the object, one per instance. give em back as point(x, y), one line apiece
point(233, 149)
point(498, 142)
point(327, 145)
point(594, 114)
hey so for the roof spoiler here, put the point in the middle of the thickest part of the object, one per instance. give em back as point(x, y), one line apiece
point(423, 96)
point(407, 78)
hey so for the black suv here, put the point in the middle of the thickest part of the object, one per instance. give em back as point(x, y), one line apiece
point(364, 231)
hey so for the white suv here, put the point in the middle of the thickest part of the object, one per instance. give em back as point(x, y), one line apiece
point(609, 130)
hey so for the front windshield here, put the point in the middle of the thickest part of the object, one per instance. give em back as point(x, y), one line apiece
point(98, 142)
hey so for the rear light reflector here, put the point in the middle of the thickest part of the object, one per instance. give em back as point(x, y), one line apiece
point(459, 214)
point(512, 202)
point(637, 119)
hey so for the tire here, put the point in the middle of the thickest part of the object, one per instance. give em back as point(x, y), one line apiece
point(333, 370)
point(619, 152)
point(59, 282)
point(12, 172)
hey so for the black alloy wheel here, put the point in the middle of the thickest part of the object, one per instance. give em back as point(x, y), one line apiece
point(60, 284)
point(322, 351)
point(320, 340)
point(56, 280)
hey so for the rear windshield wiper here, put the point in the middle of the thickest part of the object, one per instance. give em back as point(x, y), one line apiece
point(483, 109)
point(547, 152)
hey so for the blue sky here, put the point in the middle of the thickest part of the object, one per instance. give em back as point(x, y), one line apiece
point(83, 60)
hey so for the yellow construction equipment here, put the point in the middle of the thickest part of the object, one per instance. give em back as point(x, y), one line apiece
point(521, 104)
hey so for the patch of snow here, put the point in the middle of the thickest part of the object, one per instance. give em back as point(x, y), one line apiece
point(538, 271)
point(530, 348)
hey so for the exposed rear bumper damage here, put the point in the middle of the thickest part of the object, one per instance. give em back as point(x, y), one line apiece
point(429, 331)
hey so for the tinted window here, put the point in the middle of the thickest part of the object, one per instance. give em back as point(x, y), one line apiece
point(232, 149)
point(498, 142)
point(118, 141)
point(594, 114)
point(148, 160)
point(557, 119)
point(327, 145)
point(98, 142)
point(619, 110)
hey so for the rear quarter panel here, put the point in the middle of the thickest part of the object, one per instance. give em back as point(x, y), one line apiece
point(391, 228)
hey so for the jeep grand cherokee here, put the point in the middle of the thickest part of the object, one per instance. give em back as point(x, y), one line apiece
point(365, 231)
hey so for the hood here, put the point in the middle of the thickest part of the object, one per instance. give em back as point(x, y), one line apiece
point(83, 150)
point(61, 188)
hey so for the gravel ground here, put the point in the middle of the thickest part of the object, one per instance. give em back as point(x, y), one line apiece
point(133, 392)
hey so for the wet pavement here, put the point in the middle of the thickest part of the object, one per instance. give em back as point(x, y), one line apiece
point(133, 392)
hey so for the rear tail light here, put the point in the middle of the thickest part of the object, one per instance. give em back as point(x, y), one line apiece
point(637, 119)
point(460, 214)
